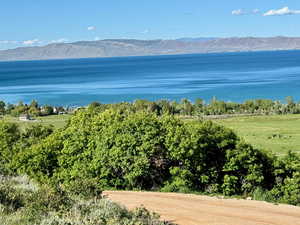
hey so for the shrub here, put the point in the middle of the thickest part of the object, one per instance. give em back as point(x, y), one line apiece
point(9, 137)
point(103, 212)
point(119, 149)
point(261, 194)
point(287, 179)
point(289, 191)
point(198, 152)
point(247, 168)
point(11, 198)
point(53, 206)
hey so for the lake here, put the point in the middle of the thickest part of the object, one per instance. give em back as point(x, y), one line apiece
point(227, 76)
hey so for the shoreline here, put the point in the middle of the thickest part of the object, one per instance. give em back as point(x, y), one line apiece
point(149, 56)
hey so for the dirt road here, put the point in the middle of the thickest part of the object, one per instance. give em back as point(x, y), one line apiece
point(186, 209)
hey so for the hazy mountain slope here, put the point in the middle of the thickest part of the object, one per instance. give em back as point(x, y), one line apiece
point(131, 47)
point(252, 44)
point(196, 39)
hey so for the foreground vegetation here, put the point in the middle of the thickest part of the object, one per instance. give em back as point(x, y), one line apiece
point(25, 203)
point(120, 149)
point(122, 146)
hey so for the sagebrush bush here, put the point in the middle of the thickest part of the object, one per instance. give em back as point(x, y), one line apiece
point(52, 206)
point(103, 212)
point(11, 198)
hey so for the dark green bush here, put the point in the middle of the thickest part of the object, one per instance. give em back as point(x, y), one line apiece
point(246, 169)
point(125, 150)
point(14, 143)
point(9, 137)
point(287, 179)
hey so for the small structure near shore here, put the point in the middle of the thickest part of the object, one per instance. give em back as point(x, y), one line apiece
point(25, 117)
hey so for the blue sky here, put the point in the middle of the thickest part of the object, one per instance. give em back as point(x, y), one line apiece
point(33, 22)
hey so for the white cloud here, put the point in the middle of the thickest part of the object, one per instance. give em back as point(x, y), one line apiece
point(281, 12)
point(91, 28)
point(31, 42)
point(61, 40)
point(8, 42)
point(96, 38)
point(145, 31)
point(255, 11)
point(238, 12)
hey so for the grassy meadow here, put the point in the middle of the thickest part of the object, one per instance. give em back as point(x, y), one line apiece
point(277, 133)
point(58, 121)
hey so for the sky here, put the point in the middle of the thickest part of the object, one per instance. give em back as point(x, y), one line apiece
point(34, 22)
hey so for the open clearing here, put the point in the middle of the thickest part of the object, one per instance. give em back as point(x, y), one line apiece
point(58, 121)
point(188, 209)
point(276, 133)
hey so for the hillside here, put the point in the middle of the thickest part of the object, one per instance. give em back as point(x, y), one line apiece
point(131, 47)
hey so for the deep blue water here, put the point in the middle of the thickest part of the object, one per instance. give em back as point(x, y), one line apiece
point(227, 76)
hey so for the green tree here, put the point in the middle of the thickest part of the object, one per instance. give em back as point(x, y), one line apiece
point(199, 106)
point(9, 137)
point(34, 104)
point(2, 108)
point(19, 109)
point(247, 168)
point(9, 108)
point(47, 110)
point(94, 105)
point(199, 149)
point(187, 107)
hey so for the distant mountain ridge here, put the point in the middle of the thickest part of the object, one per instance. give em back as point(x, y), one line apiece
point(133, 47)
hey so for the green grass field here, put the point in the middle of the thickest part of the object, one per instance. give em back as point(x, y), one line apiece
point(278, 133)
point(58, 121)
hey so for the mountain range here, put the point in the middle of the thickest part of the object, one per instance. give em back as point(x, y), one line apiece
point(133, 47)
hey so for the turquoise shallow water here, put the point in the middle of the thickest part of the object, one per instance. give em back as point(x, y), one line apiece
point(228, 76)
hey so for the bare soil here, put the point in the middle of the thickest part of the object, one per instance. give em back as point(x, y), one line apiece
point(188, 209)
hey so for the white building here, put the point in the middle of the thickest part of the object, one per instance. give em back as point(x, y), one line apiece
point(24, 118)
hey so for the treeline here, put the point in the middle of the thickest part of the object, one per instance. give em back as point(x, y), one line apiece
point(184, 107)
point(217, 107)
point(121, 149)
point(32, 109)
